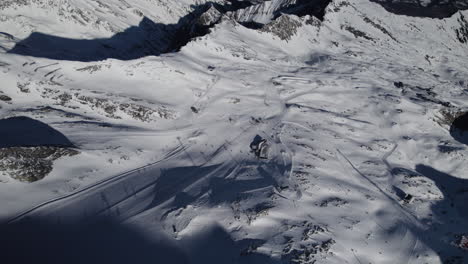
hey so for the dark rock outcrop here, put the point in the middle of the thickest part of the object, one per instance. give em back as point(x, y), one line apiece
point(28, 148)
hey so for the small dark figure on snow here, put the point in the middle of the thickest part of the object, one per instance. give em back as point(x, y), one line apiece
point(259, 147)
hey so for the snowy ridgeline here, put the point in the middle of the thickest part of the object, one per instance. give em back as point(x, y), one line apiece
point(356, 111)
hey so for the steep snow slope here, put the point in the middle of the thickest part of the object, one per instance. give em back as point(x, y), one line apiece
point(362, 167)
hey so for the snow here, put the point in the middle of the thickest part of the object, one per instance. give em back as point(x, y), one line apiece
point(345, 141)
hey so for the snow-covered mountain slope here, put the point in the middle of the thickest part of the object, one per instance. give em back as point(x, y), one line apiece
point(357, 106)
point(94, 30)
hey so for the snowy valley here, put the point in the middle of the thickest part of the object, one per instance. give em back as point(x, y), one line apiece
point(126, 128)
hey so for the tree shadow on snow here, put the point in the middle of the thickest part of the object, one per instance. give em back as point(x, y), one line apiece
point(434, 9)
point(23, 131)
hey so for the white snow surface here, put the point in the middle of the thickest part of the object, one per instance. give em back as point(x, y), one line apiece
point(344, 139)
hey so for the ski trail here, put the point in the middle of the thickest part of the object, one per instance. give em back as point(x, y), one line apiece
point(404, 215)
point(408, 215)
point(201, 103)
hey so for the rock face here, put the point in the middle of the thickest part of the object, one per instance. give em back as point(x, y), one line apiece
point(210, 17)
point(284, 27)
point(462, 32)
point(268, 11)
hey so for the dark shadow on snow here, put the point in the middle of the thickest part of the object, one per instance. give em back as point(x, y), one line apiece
point(214, 245)
point(459, 129)
point(175, 180)
point(27, 132)
point(435, 9)
point(88, 238)
point(146, 39)
point(449, 215)
point(301, 8)
point(99, 240)
point(220, 184)
point(108, 240)
point(455, 191)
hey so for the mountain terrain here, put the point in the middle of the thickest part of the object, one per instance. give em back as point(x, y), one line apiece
point(126, 126)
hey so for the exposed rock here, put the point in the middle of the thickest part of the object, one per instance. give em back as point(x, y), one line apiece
point(307, 254)
point(379, 27)
point(357, 33)
point(5, 98)
point(285, 27)
point(333, 201)
point(210, 17)
point(90, 69)
point(462, 32)
point(139, 112)
point(262, 13)
point(448, 116)
point(30, 164)
point(24, 87)
point(64, 98)
point(265, 12)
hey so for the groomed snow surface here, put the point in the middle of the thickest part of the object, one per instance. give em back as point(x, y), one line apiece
point(362, 167)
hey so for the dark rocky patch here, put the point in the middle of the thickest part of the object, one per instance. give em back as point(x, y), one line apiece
point(28, 148)
point(398, 84)
point(357, 33)
point(332, 201)
point(379, 27)
point(448, 149)
point(462, 32)
point(30, 164)
point(5, 98)
point(284, 27)
point(421, 94)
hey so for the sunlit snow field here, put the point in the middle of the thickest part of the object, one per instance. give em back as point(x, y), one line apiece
point(355, 123)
